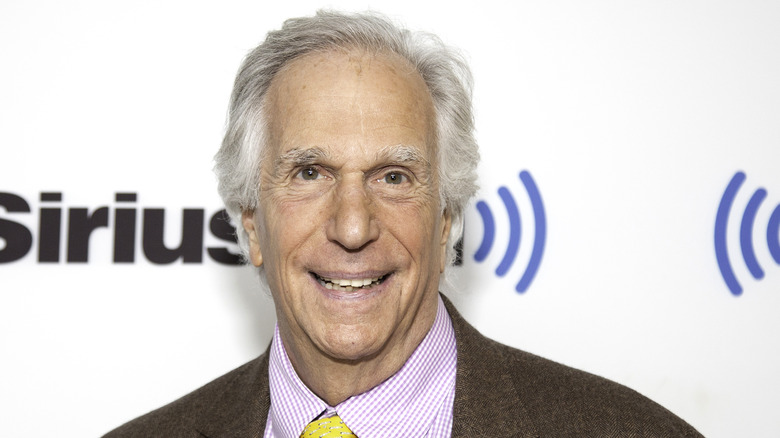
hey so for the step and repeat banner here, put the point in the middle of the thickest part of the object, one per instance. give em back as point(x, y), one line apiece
point(627, 222)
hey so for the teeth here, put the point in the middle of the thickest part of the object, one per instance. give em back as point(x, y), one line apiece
point(347, 285)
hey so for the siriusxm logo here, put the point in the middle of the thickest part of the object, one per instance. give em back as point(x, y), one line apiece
point(515, 229)
point(63, 234)
point(745, 233)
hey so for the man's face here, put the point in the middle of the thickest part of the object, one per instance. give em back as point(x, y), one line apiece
point(350, 229)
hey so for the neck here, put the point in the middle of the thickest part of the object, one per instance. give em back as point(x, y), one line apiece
point(334, 379)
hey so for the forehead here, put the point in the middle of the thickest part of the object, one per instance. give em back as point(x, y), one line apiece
point(349, 99)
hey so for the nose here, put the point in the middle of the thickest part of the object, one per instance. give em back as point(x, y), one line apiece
point(352, 223)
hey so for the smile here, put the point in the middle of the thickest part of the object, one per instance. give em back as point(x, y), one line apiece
point(348, 285)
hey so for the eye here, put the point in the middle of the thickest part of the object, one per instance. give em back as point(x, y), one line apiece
point(395, 178)
point(309, 174)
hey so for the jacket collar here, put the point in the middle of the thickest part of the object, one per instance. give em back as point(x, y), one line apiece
point(487, 401)
point(241, 410)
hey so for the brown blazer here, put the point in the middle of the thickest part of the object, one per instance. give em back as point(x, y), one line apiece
point(499, 392)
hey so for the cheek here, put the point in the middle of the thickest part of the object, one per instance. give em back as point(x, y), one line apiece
point(289, 223)
point(417, 227)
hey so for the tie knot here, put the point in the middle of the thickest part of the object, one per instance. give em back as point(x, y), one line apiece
point(331, 427)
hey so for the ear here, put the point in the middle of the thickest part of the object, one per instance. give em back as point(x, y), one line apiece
point(248, 221)
point(445, 235)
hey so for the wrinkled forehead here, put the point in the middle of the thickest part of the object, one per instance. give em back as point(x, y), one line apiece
point(349, 93)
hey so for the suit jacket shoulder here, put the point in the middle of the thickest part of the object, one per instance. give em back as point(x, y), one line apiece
point(504, 392)
point(235, 404)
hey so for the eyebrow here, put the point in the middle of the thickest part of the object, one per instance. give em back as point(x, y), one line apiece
point(403, 154)
point(300, 157)
point(396, 154)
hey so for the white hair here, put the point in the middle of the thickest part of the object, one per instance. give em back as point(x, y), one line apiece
point(444, 71)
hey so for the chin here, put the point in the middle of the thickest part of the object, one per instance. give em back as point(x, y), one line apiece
point(351, 347)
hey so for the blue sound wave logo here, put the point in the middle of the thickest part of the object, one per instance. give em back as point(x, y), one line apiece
point(745, 233)
point(515, 229)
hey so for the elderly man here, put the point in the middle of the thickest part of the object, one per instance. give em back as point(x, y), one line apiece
point(348, 159)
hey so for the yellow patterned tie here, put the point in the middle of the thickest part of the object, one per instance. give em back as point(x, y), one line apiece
point(331, 427)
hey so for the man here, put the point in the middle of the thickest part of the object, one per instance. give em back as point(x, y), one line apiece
point(348, 160)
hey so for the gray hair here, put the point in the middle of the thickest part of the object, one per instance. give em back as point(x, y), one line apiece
point(444, 71)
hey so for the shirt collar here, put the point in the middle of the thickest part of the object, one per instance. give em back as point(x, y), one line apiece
point(406, 404)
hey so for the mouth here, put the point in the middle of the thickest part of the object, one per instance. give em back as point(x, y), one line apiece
point(349, 285)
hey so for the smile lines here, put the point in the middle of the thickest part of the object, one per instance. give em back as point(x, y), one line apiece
point(345, 285)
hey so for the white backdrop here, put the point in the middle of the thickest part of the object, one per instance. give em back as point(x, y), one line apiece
point(631, 118)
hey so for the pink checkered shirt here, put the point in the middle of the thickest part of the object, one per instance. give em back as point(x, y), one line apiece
point(415, 402)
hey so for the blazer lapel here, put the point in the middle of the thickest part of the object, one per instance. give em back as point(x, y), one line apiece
point(487, 402)
point(242, 408)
